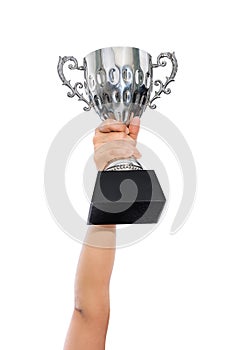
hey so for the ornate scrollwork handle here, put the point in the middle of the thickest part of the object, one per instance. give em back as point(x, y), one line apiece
point(163, 86)
point(74, 89)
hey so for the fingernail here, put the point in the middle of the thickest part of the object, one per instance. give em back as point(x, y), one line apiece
point(135, 121)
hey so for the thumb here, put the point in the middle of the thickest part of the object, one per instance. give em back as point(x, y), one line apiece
point(134, 128)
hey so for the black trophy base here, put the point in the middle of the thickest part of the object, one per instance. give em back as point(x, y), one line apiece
point(126, 197)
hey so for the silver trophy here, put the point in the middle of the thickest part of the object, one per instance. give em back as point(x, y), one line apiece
point(118, 83)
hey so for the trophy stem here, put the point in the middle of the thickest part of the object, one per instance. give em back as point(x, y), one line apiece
point(123, 164)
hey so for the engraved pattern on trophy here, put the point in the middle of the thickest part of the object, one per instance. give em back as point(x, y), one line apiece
point(74, 89)
point(120, 82)
point(163, 86)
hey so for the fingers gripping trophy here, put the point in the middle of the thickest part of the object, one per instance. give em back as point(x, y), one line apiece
point(118, 82)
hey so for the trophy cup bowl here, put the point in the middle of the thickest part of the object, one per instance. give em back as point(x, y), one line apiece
point(118, 83)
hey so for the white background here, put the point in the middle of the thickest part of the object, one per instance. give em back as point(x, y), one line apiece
point(167, 292)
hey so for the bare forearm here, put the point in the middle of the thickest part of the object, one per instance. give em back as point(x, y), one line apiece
point(90, 318)
point(94, 270)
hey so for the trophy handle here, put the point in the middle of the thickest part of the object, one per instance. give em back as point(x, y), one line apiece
point(163, 86)
point(74, 89)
